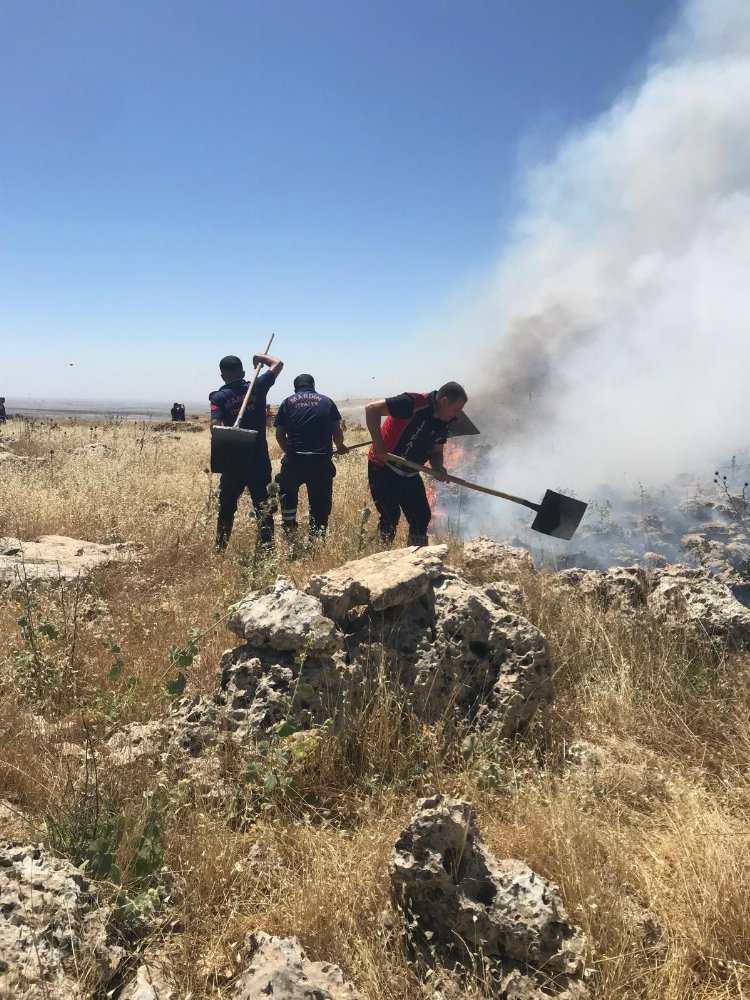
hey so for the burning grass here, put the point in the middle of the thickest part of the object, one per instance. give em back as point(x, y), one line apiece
point(654, 815)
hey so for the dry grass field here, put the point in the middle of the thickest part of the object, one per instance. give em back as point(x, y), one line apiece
point(664, 823)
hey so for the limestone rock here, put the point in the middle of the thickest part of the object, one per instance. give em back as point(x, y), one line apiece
point(493, 662)
point(54, 935)
point(682, 594)
point(279, 968)
point(137, 741)
point(150, 983)
point(621, 587)
point(493, 560)
point(679, 595)
point(51, 558)
point(623, 772)
point(458, 654)
point(259, 690)
point(515, 983)
point(383, 580)
point(283, 618)
point(505, 595)
point(443, 876)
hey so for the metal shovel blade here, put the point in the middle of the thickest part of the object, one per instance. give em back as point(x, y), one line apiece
point(231, 448)
point(462, 426)
point(559, 515)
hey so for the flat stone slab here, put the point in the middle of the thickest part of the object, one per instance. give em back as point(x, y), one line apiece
point(53, 558)
point(383, 580)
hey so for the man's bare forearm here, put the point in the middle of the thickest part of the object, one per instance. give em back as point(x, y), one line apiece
point(265, 359)
point(374, 413)
point(435, 458)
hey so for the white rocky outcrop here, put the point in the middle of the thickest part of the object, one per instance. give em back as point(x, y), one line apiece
point(56, 941)
point(468, 903)
point(55, 558)
point(283, 618)
point(677, 595)
point(279, 968)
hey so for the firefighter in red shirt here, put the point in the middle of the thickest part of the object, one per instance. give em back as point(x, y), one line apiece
point(416, 427)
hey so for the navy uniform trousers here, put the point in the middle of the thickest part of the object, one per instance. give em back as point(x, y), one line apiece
point(316, 472)
point(391, 494)
point(256, 479)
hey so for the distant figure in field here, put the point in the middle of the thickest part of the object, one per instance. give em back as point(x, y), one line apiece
point(308, 424)
point(255, 476)
point(178, 412)
point(3, 414)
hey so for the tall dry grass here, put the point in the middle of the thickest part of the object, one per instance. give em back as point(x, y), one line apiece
point(654, 816)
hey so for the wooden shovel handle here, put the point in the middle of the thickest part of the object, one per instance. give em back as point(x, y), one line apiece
point(463, 482)
point(250, 388)
point(360, 444)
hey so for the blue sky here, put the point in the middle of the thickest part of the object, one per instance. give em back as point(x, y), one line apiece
point(181, 178)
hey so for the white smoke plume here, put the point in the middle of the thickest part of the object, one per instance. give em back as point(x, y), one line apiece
point(616, 336)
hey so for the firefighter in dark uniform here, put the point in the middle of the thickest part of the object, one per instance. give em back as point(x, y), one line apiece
point(415, 427)
point(255, 477)
point(308, 424)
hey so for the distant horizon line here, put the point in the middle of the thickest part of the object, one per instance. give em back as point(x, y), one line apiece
point(78, 406)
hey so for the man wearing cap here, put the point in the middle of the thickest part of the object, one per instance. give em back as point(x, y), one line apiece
point(415, 428)
point(255, 476)
point(308, 424)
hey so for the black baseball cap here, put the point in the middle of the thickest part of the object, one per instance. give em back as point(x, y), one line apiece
point(303, 380)
point(230, 363)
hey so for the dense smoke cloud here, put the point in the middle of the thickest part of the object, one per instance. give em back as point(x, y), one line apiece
point(617, 331)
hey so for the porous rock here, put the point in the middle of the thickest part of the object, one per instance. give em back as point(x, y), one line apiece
point(621, 587)
point(260, 689)
point(503, 594)
point(684, 595)
point(54, 935)
point(678, 595)
point(279, 968)
point(457, 654)
point(150, 983)
point(443, 876)
point(53, 558)
point(493, 560)
point(283, 618)
point(383, 580)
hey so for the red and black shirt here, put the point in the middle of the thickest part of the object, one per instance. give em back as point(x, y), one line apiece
point(411, 430)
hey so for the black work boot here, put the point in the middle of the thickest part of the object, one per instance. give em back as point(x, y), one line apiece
point(223, 534)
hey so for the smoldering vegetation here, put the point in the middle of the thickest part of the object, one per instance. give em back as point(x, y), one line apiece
point(611, 339)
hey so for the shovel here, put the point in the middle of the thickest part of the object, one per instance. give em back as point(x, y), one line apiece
point(232, 447)
point(557, 515)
